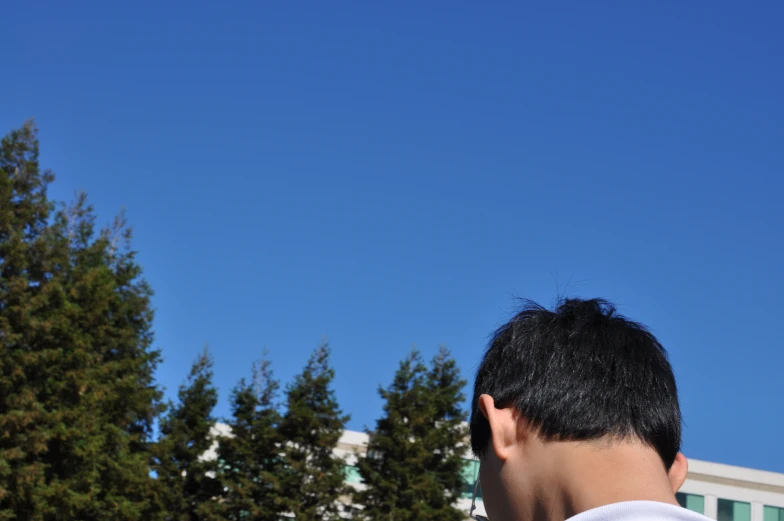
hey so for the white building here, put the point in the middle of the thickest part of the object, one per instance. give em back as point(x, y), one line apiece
point(729, 493)
point(721, 492)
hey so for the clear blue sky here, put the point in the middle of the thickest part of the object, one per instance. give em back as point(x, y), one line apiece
point(389, 175)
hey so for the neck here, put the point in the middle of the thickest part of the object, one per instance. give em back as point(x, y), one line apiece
point(584, 476)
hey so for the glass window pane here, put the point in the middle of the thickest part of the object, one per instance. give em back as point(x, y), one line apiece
point(692, 502)
point(352, 474)
point(729, 510)
point(741, 511)
point(681, 498)
point(696, 503)
point(773, 514)
point(470, 473)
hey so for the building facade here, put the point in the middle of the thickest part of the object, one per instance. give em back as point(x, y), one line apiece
point(729, 493)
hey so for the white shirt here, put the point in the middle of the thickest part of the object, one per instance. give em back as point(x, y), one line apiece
point(639, 511)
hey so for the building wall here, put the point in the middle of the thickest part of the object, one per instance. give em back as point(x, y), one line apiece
point(758, 494)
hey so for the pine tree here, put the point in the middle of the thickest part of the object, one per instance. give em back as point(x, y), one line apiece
point(185, 480)
point(24, 215)
point(77, 394)
point(412, 470)
point(249, 459)
point(447, 439)
point(314, 478)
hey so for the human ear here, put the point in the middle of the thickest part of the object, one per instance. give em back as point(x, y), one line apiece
point(503, 426)
point(678, 471)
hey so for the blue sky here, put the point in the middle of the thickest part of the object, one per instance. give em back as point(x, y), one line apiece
point(395, 174)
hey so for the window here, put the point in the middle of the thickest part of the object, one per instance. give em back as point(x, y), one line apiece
point(352, 474)
point(773, 514)
point(470, 475)
point(733, 510)
point(693, 502)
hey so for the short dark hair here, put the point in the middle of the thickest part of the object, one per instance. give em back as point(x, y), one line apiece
point(581, 372)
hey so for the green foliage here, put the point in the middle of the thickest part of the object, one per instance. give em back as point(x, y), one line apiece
point(412, 468)
point(24, 212)
point(313, 477)
point(250, 460)
point(185, 484)
point(447, 440)
point(77, 395)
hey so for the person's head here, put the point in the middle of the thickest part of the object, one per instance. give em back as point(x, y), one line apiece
point(579, 390)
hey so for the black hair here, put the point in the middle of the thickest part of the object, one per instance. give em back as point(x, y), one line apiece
point(581, 372)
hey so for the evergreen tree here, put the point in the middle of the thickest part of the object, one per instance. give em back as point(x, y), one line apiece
point(447, 440)
point(77, 395)
point(185, 480)
point(412, 470)
point(249, 458)
point(314, 478)
point(24, 423)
